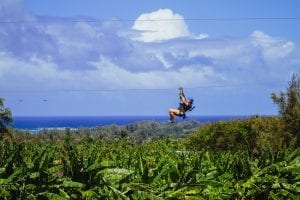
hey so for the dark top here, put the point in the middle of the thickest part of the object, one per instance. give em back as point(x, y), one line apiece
point(183, 108)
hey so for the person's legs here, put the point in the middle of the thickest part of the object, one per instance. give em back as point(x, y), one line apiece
point(172, 113)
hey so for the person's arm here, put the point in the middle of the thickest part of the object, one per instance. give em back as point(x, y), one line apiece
point(182, 97)
point(184, 100)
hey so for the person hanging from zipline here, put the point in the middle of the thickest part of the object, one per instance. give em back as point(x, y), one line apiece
point(186, 104)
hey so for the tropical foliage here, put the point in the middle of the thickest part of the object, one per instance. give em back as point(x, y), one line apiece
point(289, 107)
point(251, 134)
point(5, 118)
point(157, 169)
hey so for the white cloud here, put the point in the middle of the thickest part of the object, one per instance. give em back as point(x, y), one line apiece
point(38, 74)
point(32, 74)
point(117, 77)
point(91, 56)
point(160, 25)
point(189, 62)
point(272, 48)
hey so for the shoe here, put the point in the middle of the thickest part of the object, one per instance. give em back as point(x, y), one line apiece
point(170, 121)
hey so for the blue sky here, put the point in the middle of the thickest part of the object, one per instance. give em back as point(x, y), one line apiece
point(92, 57)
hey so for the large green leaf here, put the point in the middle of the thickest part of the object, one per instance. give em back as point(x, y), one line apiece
point(112, 175)
point(72, 184)
point(100, 165)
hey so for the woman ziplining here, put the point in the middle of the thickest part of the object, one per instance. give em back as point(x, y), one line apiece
point(186, 104)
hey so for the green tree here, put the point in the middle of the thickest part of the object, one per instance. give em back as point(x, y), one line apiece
point(5, 118)
point(289, 107)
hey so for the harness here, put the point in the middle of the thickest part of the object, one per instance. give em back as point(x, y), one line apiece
point(184, 108)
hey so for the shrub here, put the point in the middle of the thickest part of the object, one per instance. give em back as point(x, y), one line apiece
point(289, 107)
point(5, 118)
point(248, 134)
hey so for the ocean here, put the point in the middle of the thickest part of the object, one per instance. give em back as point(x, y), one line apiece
point(58, 122)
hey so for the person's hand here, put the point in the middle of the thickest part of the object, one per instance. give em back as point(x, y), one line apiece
point(180, 91)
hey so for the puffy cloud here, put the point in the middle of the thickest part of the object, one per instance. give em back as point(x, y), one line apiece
point(160, 25)
point(272, 48)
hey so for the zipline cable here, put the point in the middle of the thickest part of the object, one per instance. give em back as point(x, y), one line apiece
point(66, 20)
point(266, 84)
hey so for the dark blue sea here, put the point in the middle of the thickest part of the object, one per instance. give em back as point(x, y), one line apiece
point(37, 123)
